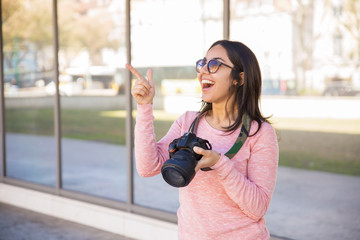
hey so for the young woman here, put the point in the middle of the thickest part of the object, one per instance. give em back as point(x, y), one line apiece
point(230, 201)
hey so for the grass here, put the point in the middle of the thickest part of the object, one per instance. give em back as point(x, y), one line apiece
point(78, 124)
point(330, 145)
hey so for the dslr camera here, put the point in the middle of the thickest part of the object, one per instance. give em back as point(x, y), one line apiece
point(179, 170)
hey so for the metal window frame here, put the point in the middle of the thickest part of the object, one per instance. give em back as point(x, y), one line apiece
point(129, 205)
point(129, 118)
point(226, 19)
point(57, 112)
point(2, 105)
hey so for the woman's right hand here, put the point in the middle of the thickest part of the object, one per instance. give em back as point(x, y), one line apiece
point(143, 89)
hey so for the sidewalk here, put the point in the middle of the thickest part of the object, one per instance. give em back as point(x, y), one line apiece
point(20, 224)
point(315, 205)
point(17, 224)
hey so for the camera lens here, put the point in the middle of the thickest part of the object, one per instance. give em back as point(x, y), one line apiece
point(174, 176)
point(179, 170)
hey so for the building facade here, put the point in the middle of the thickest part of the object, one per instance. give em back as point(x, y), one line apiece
point(67, 117)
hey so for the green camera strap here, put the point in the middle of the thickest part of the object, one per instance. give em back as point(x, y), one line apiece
point(240, 140)
point(244, 133)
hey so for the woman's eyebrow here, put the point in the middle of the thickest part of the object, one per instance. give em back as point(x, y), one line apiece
point(218, 58)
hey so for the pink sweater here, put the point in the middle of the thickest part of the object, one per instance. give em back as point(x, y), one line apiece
point(227, 203)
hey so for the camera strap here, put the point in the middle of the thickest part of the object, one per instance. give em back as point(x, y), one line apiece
point(244, 133)
point(240, 140)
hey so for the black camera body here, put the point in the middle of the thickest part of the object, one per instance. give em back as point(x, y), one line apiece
point(179, 170)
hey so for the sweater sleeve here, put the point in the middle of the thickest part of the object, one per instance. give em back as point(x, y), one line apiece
point(253, 193)
point(149, 154)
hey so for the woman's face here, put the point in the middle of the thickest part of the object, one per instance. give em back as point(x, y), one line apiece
point(215, 86)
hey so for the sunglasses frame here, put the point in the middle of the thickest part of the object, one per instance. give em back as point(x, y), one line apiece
point(207, 65)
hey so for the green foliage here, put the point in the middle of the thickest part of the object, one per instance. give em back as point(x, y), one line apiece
point(28, 26)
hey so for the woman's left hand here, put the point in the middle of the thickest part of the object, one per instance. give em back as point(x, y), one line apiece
point(209, 158)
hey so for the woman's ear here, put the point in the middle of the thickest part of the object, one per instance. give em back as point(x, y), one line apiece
point(242, 78)
point(241, 82)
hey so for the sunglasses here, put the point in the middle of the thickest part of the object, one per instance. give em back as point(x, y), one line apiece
point(212, 66)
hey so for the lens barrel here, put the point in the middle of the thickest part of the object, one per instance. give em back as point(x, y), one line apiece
point(179, 170)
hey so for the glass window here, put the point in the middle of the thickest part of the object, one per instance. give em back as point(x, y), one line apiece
point(271, 41)
point(304, 45)
point(170, 42)
point(29, 110)
point(92, 57)
point(309, 49)
point(337, 42)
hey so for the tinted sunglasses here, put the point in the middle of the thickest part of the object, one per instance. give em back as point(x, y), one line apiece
point(212, 66)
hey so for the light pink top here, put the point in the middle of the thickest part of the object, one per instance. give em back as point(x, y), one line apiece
point(227, 203)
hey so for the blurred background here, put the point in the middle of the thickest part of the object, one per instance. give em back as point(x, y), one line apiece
point(308, 50)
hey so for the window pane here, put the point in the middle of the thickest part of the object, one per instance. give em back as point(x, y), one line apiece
point(92, 57)
point(309, 49)
point(170, 43)
point(271, 45)
point(29, 110)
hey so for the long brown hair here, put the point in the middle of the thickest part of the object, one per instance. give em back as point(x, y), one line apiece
point(247, 95)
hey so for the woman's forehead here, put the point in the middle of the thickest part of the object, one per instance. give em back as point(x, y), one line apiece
point(217, 52)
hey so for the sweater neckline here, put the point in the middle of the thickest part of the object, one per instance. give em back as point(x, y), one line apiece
point(214, 130)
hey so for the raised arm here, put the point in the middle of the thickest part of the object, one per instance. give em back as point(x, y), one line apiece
point(150, 155)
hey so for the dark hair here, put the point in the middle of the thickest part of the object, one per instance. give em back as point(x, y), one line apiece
point(247, 95)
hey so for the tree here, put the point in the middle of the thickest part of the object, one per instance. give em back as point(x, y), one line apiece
point(303, 41)
point(28, 28)
point(18, 24)
point(79, 30)
point(350, 20)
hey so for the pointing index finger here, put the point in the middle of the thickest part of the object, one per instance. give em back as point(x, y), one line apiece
point(133, 71)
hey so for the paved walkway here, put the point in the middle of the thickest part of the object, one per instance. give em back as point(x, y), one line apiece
point(315, 205)
point(20, 224)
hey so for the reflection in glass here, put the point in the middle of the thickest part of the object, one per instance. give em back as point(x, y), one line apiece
point(307, 48)
point(92, 56)
point(271, 42)
point(28, 68)
point(170, 44)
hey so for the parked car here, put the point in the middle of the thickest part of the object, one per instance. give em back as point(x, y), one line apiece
point(341, 89)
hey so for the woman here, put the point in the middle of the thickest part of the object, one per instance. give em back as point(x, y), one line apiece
point(230, 201)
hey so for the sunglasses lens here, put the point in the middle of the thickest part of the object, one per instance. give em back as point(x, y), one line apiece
point(213, 66)
point(200, 64)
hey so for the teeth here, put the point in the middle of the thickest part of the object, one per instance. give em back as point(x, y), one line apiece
point(207, 82)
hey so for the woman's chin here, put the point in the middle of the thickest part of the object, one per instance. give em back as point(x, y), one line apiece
point(205, 99)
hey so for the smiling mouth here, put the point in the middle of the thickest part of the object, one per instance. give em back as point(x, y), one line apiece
point(207, 84)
